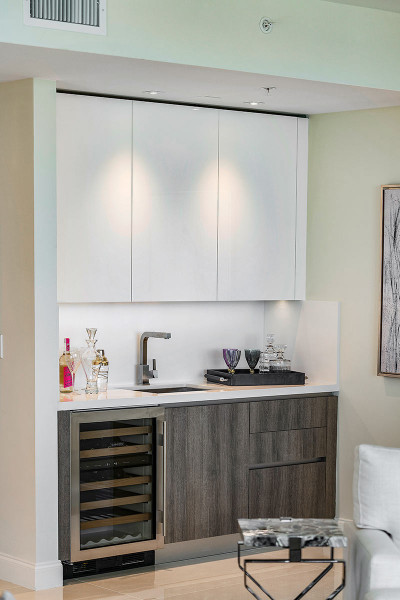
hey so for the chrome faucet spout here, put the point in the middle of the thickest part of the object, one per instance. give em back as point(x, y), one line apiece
point(144, 372)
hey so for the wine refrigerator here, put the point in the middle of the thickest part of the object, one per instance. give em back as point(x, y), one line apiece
point(111, 484)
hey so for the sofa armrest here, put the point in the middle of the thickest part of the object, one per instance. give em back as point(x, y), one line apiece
point(374, 562)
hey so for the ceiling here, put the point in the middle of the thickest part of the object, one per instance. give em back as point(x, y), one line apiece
point(119, 76)
point(390, 5)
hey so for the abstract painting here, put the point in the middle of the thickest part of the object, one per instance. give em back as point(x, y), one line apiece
point(389, 346)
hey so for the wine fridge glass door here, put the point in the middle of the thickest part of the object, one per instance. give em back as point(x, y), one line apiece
point(116, 472)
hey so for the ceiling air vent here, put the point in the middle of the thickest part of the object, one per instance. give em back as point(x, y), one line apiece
point(84, 16)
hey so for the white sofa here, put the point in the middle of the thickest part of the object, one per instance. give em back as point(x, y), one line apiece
point(375, 552)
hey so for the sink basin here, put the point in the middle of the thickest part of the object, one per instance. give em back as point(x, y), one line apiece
point(172, 390)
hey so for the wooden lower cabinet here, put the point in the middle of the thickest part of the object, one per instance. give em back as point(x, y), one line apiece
point(207, 470)
point(296, 491)
point(265, 458)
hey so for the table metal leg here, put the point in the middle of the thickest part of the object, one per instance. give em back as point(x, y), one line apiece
point(329, 562)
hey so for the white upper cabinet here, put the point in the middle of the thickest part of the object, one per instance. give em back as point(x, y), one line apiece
point(258, 207)
point(94, 146)
point(162, 202)
point(175, 203)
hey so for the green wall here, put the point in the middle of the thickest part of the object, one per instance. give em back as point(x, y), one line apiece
point(312, 39)
point(351, 155)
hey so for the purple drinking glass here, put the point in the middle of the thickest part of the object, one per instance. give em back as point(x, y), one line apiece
point(231, 358)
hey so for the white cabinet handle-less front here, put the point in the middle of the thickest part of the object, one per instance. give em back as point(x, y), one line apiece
point(257, 206)
point(161, 202)
point(175, 203)
point(94, 137)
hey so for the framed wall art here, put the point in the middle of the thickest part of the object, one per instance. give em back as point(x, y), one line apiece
point(389, 330)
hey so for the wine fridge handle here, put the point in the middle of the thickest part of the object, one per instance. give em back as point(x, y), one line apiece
point(164, 478)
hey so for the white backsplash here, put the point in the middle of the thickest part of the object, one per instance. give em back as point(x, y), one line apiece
point(311, 331)
point(199, 332)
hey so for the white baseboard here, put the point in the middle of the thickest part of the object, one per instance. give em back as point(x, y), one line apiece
point(35, 576)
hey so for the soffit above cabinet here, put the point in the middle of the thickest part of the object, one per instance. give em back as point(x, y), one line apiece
point(117, 76)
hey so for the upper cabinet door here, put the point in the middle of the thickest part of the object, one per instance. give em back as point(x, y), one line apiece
point(257, 206)
point(94, 140)
point(175, 203)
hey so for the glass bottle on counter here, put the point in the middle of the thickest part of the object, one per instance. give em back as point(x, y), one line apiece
point(89, 364)
point(102, 380)
point(66, 379)
point(268, 355)
point(280, 363)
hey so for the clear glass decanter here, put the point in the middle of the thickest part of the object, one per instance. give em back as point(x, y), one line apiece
point(268, 355)
point(89, 364)
point(280, 363)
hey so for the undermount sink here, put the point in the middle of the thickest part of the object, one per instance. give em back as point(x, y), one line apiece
point(172, 390)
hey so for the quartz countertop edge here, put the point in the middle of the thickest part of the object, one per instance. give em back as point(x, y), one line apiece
point(123, 398)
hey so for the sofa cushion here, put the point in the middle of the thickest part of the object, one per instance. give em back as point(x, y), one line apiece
point(377, 489)
point(381, 594)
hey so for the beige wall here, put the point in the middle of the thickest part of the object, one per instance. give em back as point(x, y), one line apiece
point(351, 155)
point(29, 324)
point(17, 324)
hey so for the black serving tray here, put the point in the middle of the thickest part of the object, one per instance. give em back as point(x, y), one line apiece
point(244, 377)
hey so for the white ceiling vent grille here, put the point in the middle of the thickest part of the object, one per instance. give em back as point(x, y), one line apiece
point(84, 16)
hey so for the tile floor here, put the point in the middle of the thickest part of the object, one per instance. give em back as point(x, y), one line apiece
point(213, 578)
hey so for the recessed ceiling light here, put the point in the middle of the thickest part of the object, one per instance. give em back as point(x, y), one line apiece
point(153, 92)
point(196, 108)
point(253, 103)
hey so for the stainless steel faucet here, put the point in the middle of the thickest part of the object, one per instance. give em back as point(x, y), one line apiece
point(143, 369)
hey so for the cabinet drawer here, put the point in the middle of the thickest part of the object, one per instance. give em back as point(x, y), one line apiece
point(296, 491)
point(282, 446)
point(293, 413)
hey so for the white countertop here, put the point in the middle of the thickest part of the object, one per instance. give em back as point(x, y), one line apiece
point(123, 398)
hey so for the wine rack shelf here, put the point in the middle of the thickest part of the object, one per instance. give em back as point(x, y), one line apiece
point(105, 433)
point(128, 449)
point(124, 500)
point(111, 483)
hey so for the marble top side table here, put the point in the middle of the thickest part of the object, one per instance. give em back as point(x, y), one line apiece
point(293, 534)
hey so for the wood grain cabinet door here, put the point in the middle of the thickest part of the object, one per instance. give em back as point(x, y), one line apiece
point(296, 491)
point(206, 472)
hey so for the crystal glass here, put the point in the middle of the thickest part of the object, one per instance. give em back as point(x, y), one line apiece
point(89, 365)
point(231, 358)
point(74, 359)
point(102, 361)
point(252, 357)
point(280, 363)
point(268, 355)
